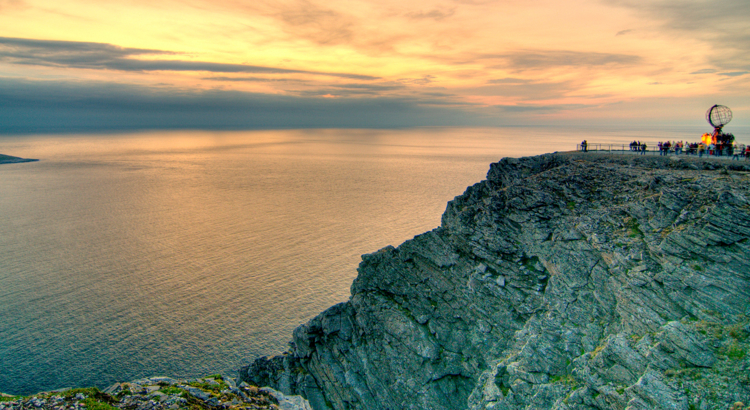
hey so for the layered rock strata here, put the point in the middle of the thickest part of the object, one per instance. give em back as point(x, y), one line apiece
point(564, 281)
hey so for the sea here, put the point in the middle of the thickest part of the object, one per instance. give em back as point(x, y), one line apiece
point(189, 253)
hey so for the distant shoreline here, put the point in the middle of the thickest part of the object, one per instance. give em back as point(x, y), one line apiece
point(7, 159)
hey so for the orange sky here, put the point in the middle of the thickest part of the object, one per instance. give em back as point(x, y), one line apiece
point(534, 60)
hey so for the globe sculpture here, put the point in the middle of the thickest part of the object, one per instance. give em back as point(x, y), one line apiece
point(718, 116)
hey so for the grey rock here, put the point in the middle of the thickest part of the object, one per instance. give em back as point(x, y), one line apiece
point(162, 380)
point(137, 388)
point(158, 396)
point(288, 402)
point(685, 344)
point(652, 390)
point(563, 281)
point(230, 382)
point(112, 389)
point(196, 392)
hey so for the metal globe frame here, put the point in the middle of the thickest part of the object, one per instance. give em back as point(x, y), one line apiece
point(718, 116)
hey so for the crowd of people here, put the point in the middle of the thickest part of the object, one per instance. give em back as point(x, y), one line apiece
point(713, 145)
point(700, 149)
point(639, 147)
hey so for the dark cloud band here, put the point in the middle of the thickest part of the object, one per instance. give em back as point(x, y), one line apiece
point(41, 106)
point(101, 56)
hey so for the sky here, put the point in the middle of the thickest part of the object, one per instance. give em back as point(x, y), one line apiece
point(71, 65)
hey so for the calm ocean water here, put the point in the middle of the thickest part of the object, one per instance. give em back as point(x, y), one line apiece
point(189, 253)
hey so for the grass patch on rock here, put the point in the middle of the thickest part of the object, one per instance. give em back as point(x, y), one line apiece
point(733, 351)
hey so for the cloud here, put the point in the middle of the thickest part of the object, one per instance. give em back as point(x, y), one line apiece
point(704, 71)
point(475, 2)
point(690, 14)
point(721, 23)
point(427, 79)
point(550, 108)
point(256, 79)
point(320, 25)
point(735, 73)
point(67, 51)
point(58, 106)
point(353, 89)
point(525, 90)
point(433, 14)
point(508, 80)
point(542, 59)
point(623, 32)
point(371, 87)
point(101, 56)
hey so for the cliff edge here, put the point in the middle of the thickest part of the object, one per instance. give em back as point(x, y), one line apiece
point(563, 281)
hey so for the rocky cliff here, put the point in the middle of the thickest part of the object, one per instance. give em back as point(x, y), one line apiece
point(566, 281)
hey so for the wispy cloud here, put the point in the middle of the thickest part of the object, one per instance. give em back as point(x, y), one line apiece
point(734, 73)
point(542, 108)
point(704, 71)
point(371, 87)
point(427, 79)
point(256, 79)
point(316, 23)
point(525, 90)
point(522, 60)
point(475, 2)
point(434, 14)
point(353, 90)
point(67, 52)
point(508, 80)
point(720, 23)
point(101, 56)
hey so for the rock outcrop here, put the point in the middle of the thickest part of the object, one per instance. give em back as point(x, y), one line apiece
point(565, 281)
point(160, 393)
point(7, 159)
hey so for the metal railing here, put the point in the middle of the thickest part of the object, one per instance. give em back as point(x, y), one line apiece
point(611, 148)
point(597, 147)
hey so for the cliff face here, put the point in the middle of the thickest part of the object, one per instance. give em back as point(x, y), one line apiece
point(565, 281)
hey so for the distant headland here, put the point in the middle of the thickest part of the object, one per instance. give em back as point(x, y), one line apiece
point(7, 159)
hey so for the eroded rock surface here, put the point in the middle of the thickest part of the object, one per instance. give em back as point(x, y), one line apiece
point(563, 281)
